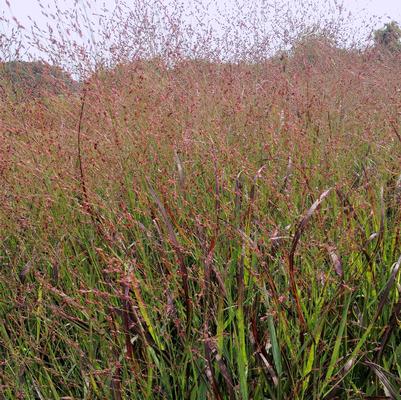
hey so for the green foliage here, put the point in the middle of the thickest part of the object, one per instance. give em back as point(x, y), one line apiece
point(34, 79)
point(206, 231)
point(389, 37)
point(314, 49)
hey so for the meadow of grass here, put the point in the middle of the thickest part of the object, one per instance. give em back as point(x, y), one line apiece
point(208, 230)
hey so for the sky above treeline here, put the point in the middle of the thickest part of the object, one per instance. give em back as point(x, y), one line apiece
point(22, 9)
point(365, 15)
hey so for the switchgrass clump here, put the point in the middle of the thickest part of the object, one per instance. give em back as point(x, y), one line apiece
point(200, 215)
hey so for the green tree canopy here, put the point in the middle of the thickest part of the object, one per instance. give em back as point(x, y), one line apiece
point(34, 79)
point(389, 37)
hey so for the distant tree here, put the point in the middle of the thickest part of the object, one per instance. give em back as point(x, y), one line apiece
point(34, 79)
point(313, 49)
point(389, 37)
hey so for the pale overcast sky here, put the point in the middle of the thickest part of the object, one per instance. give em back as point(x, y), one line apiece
point(379, 11)
point(21, 9)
